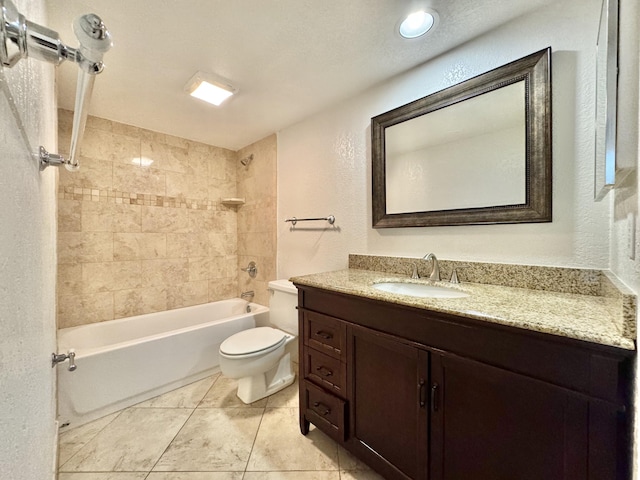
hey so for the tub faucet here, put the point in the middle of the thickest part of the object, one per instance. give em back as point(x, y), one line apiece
point(249, 294)
point(435, 269)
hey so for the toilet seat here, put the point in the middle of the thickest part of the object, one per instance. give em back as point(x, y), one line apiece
point(253, 342)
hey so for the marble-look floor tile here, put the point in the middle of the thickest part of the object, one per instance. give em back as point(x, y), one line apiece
point(132, 442)
point(71, 441)
point(188, 396)
point(348, 461)
point(214, 439)
point(280, 446)
point(287, 397)
point(103, 476)
point(223, 395)
point(359, 475)
point(195, 476)
point(326, 475)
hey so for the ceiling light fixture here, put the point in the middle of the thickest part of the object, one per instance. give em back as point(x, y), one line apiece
point(418, 23)
point(210, 88)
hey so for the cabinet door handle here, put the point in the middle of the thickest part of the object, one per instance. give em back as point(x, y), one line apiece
point(323, 334)
point(322, 406)
point(324, 371)
point(434, 397)
point(422, 392)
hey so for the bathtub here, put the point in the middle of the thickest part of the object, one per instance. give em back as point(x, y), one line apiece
point(126, 361)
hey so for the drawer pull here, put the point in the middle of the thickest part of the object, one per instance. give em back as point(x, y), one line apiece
point(323, 334)
point(322, 406)
point(324, 371)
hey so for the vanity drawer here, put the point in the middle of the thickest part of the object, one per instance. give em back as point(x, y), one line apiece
point(326, 371)
point(325, 411)
point(326, 334)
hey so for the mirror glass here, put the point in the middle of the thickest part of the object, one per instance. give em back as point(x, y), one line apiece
point(606, 99)
point(447, 159)
point(475, 153)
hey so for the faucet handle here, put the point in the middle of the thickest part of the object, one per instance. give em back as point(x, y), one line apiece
point(454, 274)
point(414, 271)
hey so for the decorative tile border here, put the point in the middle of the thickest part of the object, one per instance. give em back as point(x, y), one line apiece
point(96, 195)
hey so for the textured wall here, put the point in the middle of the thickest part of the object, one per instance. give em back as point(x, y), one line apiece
point(257, 217)
point(324, 161)
point(27, 268)
point(141, 226)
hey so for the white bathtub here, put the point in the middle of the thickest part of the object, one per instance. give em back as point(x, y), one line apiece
point(126, 361)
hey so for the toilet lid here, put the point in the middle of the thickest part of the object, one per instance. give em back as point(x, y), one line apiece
point(252, 340)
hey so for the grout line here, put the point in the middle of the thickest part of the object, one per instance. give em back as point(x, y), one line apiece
point(87, 442)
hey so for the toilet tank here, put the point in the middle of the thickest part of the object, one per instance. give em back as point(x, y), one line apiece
point(282, 306)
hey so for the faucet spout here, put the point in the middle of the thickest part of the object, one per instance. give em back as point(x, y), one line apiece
point(435, 269)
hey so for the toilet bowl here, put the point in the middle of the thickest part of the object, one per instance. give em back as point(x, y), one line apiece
point(257, 357)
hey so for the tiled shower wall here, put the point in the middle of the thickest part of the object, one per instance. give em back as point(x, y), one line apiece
point(141, 225)
point(257, 217)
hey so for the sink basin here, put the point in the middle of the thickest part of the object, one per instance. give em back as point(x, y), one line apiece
point(419, 290)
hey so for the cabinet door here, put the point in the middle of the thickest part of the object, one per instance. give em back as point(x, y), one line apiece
point(388, 409)
point(489, 423)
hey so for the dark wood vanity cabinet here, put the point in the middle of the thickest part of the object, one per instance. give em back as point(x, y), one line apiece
point(423, 395)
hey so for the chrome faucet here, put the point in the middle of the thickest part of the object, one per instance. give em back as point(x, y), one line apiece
point(435, 269)
point(249, 294)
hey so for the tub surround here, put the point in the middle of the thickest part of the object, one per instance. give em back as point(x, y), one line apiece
point(588, 305)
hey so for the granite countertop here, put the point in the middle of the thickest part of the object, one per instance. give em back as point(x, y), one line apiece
point(590, 318)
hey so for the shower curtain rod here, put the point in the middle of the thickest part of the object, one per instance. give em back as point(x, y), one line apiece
point(20, 38)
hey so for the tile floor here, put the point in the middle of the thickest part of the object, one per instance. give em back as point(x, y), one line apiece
point(204, 432)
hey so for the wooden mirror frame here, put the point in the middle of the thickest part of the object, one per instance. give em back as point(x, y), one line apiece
point(535, 71)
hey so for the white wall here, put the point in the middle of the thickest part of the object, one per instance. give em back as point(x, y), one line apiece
point(27, 270)
point(324, 162)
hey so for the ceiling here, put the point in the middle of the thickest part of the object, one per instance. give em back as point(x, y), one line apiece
point(288, 58)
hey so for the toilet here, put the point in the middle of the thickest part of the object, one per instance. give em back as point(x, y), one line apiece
point(257, 357)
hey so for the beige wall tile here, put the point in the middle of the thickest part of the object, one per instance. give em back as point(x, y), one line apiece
point(166, 157)
point(199, 268)
point(122, 256)
point(92, 174)
point(135, 179)
point(97, 277)
point(221, 289)
point(139, 246)
point(110, 217)
point(223, 244)
point(206, 221)
point(69, 215)
point(69, 279)
point(82, 247)
point(76, 310)
point(187, 186)
point(164, 219)
point(128, 303)
point(164, 272)
point(184, 245)
point(224, 267)
point(113, 147)
point(187, 294)
point(127, 275)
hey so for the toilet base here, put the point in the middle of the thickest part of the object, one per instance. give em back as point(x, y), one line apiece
point(256, 387)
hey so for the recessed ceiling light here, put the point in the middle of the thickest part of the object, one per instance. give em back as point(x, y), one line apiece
point(417, 24)
point(209, 87)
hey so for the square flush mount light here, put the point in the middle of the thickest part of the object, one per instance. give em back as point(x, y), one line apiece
point(209, 87)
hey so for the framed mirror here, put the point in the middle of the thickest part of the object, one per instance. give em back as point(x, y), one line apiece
point(478, 152)
point(606, 99)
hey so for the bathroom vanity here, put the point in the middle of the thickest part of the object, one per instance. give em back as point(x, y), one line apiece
point(437, 389)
